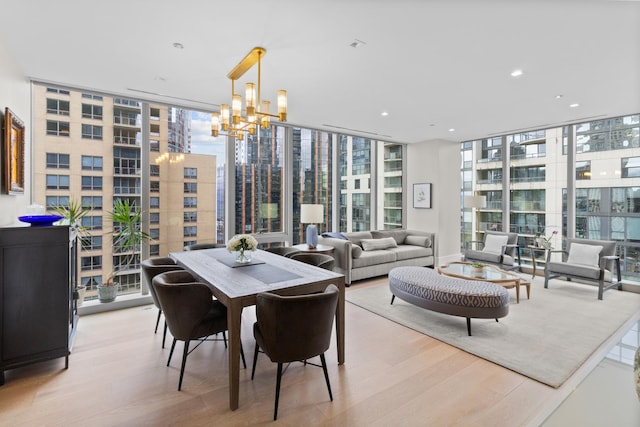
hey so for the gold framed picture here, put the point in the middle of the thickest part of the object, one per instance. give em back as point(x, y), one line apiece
point(12, 154)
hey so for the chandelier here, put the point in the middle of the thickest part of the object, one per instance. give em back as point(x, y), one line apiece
point(230, 121)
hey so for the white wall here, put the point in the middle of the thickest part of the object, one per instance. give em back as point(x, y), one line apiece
point(437, 162)
point(15, 94)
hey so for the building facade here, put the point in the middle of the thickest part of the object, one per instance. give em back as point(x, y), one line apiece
point(90, 148)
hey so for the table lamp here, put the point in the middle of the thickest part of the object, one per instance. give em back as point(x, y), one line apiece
point(311, 215)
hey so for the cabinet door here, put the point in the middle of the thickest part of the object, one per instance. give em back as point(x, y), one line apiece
point(35, 297)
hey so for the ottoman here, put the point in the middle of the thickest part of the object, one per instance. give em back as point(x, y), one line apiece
point(425, 288)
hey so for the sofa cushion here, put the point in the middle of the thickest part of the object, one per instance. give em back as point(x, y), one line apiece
point(355, 237)
point(378, 244)
point(398, 235)
point(584, 254)
point(411, 251)
point(369, 258)
point(482, 256)
point(356, 251)
point(418, 241)
point(581, 270)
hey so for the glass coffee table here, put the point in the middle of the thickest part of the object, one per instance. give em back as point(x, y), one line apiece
point(487, 273)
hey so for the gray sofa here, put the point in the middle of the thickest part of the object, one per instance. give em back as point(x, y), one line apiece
point(363, 254)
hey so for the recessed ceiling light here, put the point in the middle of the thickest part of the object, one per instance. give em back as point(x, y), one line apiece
point(558, 96)
point(516, 73)
point(574, 105)
point(384, 114)
point(452, 130)
point(357, 43)
point(178, 45)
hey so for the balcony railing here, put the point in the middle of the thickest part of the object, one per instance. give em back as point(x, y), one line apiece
point(121, 170)
point(126, 190)
point(126, 140)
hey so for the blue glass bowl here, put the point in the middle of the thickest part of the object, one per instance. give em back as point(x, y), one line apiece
point(40, 220)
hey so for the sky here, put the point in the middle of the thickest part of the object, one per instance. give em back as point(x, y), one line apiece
point(201, 140)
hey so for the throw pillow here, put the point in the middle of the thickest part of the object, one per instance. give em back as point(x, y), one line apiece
point(335, 235)
point(584, 254)
point(418, 241)
point(378, 244)
point(356, 251)
point(398, 235)
point(493, 243)
point(355, 237)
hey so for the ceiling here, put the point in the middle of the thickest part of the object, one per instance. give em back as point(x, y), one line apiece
point(432, 66)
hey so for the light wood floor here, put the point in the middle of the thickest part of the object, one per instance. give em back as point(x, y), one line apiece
point(393, 376)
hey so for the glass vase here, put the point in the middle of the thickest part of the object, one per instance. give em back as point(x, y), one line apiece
point(243, 256)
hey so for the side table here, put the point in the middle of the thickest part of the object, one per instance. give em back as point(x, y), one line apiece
point(319, 249)
point(532, 251)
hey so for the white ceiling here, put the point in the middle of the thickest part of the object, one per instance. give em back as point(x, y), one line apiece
point(432, 65)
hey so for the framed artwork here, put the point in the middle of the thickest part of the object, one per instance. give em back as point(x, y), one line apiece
point(12, 154)
point(422, 196)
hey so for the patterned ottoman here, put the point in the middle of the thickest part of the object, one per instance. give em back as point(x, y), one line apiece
point(466, 298)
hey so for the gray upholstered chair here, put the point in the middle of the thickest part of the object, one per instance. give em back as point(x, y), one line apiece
point(151, 268)
point(586, 260)
point(283, 250)
point(498, 248)
point(294, 328)
point(190, 312)
point(319, 260)
point(198, 246)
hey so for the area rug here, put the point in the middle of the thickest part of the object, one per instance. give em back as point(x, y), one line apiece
point(546, 338)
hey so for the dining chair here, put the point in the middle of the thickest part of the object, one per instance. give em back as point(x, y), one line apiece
point(151, 268)
point(294, 328)
point(190, 312)
point(283, 250)
point(198, 246)
point(319, 260)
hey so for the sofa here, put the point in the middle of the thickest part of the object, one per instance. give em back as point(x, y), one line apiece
point(363, 254)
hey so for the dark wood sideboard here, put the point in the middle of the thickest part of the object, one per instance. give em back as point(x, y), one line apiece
point(38, 315)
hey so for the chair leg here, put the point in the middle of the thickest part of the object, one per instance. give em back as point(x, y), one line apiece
point(244, 362)
point(326, 375)
point(224, 338)
point(275, 408)
point(157, 321)
point(164, 334)
point(600, 289)
point(173, 345)
point(185, 353)
point(393, 297)
point(469, 326)
point(255, 359)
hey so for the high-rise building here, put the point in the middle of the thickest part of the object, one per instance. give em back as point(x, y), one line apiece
point(89, 147)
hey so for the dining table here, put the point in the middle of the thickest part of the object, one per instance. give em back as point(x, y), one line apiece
point(236, 285)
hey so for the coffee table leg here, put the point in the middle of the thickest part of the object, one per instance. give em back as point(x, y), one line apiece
point(517, 292)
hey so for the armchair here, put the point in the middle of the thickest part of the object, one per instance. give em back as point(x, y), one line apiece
point(497, 248)
point(589, 260)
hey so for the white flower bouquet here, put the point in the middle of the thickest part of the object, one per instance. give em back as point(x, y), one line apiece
point(242, 242)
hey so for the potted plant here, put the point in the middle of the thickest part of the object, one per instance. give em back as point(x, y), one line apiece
point(477, 267)
point(72, 215)
point(127, 238)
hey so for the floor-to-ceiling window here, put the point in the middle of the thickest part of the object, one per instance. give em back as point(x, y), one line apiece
point(259, 181)
point(158, 157)
point(604, 177)
point(312, 176)
point(96, 148)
